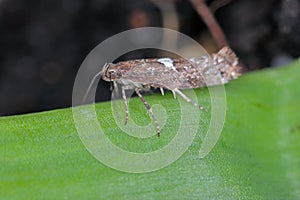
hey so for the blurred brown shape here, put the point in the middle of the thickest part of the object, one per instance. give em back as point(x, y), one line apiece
point(212, 24)
point(51, 72)
point(138, 18)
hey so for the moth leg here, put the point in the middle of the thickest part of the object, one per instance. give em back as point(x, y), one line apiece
point(125, 103)
point(188, 99)
point(174, 94)
point(149, 110)
point(114, 87)
point(162, 91)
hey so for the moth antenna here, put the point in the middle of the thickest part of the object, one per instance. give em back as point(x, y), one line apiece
point(92, 82)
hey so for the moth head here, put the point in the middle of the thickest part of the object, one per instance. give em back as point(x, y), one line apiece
point(110, 73)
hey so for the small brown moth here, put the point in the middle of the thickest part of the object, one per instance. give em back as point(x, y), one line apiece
point(172, 74)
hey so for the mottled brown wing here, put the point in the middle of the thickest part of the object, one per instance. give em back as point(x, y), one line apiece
point(179, 73)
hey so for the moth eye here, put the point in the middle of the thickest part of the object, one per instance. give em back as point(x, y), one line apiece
point(113, 74)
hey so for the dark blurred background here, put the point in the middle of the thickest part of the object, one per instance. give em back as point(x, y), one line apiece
point(43, 43)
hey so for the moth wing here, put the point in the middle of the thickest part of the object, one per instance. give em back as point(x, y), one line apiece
point(155, 74)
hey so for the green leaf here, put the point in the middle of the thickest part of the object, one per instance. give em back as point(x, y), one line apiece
point(256, 157)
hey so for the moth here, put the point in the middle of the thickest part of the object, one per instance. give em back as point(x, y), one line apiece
point(171, 74)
